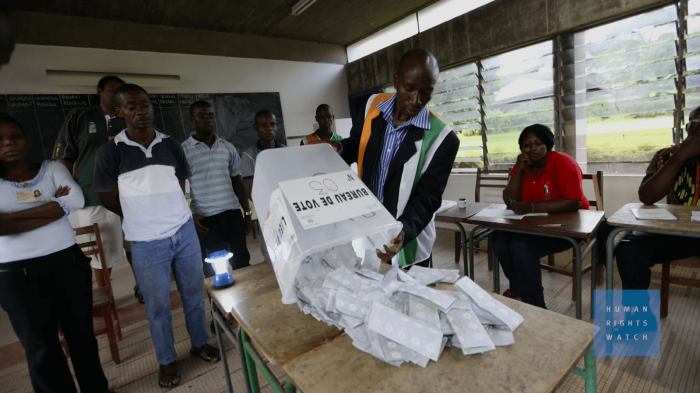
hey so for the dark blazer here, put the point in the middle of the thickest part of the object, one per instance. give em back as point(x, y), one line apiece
point(426, 196)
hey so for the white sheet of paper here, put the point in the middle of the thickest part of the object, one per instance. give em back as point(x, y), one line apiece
point(695, 216)
point(484, 301)
point(498, 211)
point(395, 326)
point(429, 296)
point(653, 213)
point(278, 231)
point(469, 331)
point(328, 198)
point(445, 205)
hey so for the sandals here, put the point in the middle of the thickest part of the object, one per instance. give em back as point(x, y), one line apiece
point(207, 353)
point(138, 295)
point(169, 376)
point(510, 294)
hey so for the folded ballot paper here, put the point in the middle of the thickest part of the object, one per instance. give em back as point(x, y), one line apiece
point(397, 317)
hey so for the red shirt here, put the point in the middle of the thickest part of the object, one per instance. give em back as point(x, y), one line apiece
point(560, 178)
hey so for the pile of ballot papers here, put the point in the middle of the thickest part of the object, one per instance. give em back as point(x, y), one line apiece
point(402, 321)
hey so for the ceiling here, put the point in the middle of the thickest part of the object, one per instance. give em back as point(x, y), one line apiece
point(338, 22)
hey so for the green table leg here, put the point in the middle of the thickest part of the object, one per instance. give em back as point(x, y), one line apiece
point(589, 372)
point(289, 388)
point(249, 363)
point(253, 361)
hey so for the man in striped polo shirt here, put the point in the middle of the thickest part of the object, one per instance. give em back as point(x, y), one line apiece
point(216, 190)
point(404, 153)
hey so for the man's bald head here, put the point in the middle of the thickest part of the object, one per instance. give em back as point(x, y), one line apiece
point(119, 92)
point(421, 58)
point(324, 118)
point(322, 108)
point(414, 81)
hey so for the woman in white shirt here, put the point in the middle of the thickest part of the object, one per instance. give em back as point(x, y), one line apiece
point(45, 279)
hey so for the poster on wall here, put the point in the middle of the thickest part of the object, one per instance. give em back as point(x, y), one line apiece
point(42, 116)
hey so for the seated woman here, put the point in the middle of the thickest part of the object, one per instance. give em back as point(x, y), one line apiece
point(45, 279)
point(542, 181)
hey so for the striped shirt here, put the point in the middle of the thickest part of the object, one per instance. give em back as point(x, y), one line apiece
point(211, 189)
point(392, 141)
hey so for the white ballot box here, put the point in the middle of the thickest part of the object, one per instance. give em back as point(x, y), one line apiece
point(308, 200)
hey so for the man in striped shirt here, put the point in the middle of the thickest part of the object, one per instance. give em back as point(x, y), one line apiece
point(404, 153)
point(216, 190)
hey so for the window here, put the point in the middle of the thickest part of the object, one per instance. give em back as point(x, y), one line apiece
point(692, 59)
point(489, 102)
point(401, 30)
point(456, 100)
point(620, 91)
point(427, 18)
point(445, 10)
point(613, 95)
point(518, 91)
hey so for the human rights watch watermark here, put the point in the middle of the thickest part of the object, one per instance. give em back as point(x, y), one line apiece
point(627, 323)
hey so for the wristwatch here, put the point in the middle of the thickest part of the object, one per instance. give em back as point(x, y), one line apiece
point(248, 213)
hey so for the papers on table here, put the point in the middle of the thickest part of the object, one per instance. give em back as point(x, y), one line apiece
point(498, 211)
point(402, 321)
point(427, 276)
point(446, 205)
point(695, 216)
point(653, 213)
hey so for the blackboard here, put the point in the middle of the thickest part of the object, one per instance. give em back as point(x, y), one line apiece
point(42, 116)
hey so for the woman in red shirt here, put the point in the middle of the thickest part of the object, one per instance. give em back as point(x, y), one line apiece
point(542, 181)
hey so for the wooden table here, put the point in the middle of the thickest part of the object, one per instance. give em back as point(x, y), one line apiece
point(281, 332)
point(624, 220)
point(547, 348)
point(580, 225)
point(459, 216)
point(317, 358)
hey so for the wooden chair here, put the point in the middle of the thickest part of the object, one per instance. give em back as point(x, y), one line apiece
point(597, 179)
point(666, 280)
point(484, 179)
point(102, 297)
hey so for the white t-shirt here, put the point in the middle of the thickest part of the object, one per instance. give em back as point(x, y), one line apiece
point(56, 236)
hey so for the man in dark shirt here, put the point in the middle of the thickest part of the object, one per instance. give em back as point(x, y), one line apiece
point(673, 172)
point(265, 124)
point(84, 132)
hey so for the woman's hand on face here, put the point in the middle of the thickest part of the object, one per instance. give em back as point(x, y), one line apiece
point(523, 161)
point(522, 207)
point(62, 191)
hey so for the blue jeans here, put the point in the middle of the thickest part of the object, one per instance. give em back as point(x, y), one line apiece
point(519, 256)
point(152, 262)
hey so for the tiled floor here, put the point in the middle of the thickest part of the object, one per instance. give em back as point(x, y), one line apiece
point(677, 370)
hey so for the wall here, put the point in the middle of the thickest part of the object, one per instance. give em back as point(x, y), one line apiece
point(302, 86)
point(618, 190)
point(496, 27)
